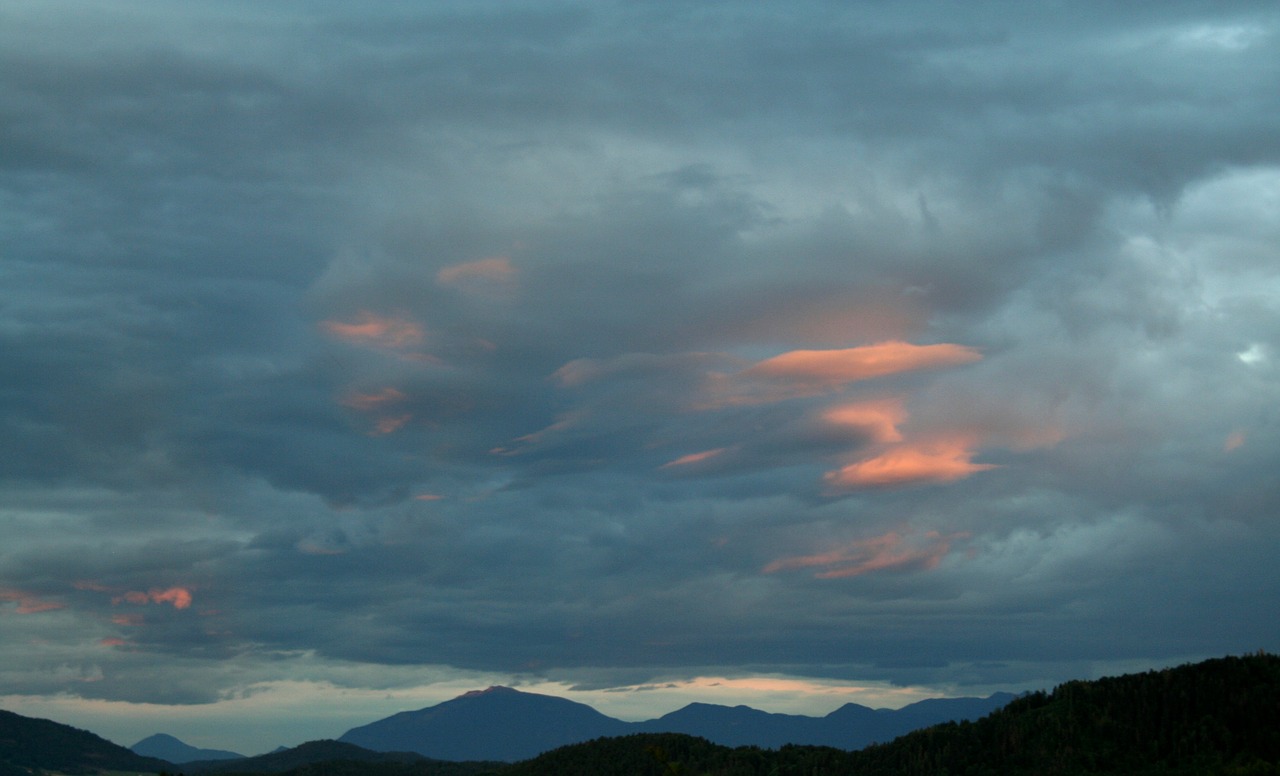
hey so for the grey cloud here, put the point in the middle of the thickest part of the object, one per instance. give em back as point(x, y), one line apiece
point(1080, 195)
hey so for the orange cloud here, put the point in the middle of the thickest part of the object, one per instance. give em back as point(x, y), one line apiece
point(892, 551)
point(692, 458)
point(113, 642)
point(801, 373)
point(940, 460)
point(28, 603)
point(833, 368)
point(494, 270)
point(1234, 441)
point(376, 331)
point(880, 419)
point(127, 619)
point(180, 597)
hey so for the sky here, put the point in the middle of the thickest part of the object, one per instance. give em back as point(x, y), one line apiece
point(356, 356)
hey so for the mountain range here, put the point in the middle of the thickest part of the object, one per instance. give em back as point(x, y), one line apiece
point(1214, 717)
point(501, 723)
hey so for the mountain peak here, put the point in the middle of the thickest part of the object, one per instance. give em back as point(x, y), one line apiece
point(167, 747)
point(493, 690)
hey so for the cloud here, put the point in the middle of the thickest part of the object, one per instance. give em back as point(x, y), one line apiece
point(694, 458)
point(179, 597)
point(911, 463)
point(373, 401)
point(892, 551)
point(28, 603)
point(376, 331)
point(839, 367)
point(802, 373)
point(880, 419)
point(495, 270)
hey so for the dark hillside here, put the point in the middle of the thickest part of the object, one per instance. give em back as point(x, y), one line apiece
point(28, 744)
point(300, 756)
point(665, 754)
point(1219, 716)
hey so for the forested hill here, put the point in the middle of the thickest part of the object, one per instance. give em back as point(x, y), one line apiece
point(28, 744)
point(1217, 717)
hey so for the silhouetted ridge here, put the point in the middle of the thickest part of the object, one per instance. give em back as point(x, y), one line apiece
point(1219, 716)
point(501, 723)
point(309, 753)
point(494, 724)
point(166, 747)
point(28, 744)
point(1216, 717)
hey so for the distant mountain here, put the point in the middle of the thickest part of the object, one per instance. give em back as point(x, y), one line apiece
point(732, 725)
point(505, 724)
point(494, 724)
point(304, 754)
point(166, 747)
point(28, 745)
point(851, 726)
point(1215, 717)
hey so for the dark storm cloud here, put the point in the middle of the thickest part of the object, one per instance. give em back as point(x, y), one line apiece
point(617, 344)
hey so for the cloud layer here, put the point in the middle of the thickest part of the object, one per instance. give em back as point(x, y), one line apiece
point(614, 344)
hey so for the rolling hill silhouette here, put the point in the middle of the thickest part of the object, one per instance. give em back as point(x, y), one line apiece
point(501, 723)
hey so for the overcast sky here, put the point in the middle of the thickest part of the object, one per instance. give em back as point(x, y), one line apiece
point(355, 356)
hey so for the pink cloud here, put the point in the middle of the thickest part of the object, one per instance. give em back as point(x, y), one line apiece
point(692, 458)
point(180, 597)
point(497, 269)
point(801, 373)
point(880, 418)
point(1234, 441)
point(390, 425)
point(832, 368)
point(376, 331)
point(889, 552)
point(28, 603)
point(936, 461)
point(380, 400)
point(113, 642)
point(372, 401)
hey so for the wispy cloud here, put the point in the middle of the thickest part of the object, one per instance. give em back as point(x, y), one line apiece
point(880, 418)
point(892, 551)
point(937, 460)
point(178, 597)
point(694, 458)
point(495, 270)
point(834, 368)
point(377, 331)
point(28, 603)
